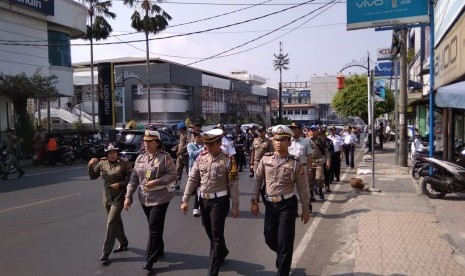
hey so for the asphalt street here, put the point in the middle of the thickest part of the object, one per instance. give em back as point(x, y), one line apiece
point(52, 222)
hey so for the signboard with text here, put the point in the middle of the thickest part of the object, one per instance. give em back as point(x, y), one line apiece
point(384, 69)
point(105, 94)
point(363, 14)
point(296, 84)
point(44, 6)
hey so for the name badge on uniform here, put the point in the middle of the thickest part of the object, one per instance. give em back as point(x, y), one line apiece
point(148, 173)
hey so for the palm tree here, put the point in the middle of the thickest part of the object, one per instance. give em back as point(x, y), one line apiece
point(97, 29)
point(280, 64)
point(155, 20)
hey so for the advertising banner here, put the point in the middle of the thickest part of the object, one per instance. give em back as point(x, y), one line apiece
point(384, 69)
point(363, 14)
point(44, 6)
point(445, 13)
point(379, 87)
point(106, 109)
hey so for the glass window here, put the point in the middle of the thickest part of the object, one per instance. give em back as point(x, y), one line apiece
point(297, 112)
point(304, 112)
point(59, 49)
point(289, 100)
point(299, 100)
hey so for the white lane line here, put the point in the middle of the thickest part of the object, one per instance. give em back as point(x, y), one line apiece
point(303, 244)
point(55, 171)
point(38, 202)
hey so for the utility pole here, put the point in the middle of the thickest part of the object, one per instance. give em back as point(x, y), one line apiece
point(403, 101)
point(279, 64)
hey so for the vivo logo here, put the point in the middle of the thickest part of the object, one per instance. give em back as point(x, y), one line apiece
point(368, 3)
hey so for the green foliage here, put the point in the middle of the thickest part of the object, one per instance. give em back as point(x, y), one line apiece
point(78, 126)
point(153, 20)
point(352, 100)
point(99, 28)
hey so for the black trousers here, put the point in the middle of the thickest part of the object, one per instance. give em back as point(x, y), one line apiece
point(349, 152)
point(156, 219)
point(240, 159)
point(214, 212)
point(280, 231)
point(335, 166)
point(381, 141)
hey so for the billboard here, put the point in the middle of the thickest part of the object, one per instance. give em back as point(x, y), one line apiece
point(44, 6)
point(384, 69)
point(379, 87)
point(363, 14)
point(106, 109)
point(445, 13)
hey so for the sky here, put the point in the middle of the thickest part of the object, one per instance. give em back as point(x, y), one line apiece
point(313, 35)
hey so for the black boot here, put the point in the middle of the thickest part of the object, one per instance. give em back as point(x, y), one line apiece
point(320, 192)
point(328, 190)
point(312, 196)
point(310, 208)
point(21, 173)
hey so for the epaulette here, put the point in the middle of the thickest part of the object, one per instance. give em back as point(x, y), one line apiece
point(269, 153)
point(104, 158)
point(204, 152)
point(293, 157)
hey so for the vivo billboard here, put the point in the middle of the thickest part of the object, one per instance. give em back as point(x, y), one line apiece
point(363, 14)
point(384, 69)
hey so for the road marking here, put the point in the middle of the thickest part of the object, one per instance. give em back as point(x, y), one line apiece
point(38, 202)
point(47, 172)
point(303, 244)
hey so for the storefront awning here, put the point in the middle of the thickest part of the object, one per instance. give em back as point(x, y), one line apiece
point(451, 96)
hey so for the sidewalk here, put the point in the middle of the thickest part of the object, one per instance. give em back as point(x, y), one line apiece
point(399, 230)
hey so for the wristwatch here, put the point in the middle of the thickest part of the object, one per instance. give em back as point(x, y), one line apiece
point(253, 201)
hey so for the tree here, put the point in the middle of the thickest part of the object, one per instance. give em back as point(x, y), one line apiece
point(97, 29)
point(280, 64)
point(19, 88)
point(352, 100)
point(154, 21)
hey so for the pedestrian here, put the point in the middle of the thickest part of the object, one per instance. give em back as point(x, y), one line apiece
point(239, 142)
point(11, 143)
point(115, 173)
point(283, 174)
point(300, 147)
point(337, 155)
point(39, 144)
point(260, 146)
point(217, 184)
point(380, 134)
point(182, 157)
point(194, 149)
point(226, 146)
point(327, 167)
point(349, 146)
point(153, 176)
point(368, 143)
point(320, 159)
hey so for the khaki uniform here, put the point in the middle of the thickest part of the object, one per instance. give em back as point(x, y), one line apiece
point(182, 157)
point(160, 167)
point(259, 148)
point(11, 144)
point(217, 182)
point(113, 200)
point(282, 176)
point(320, 155)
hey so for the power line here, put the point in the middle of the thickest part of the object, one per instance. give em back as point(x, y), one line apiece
point(172, 36)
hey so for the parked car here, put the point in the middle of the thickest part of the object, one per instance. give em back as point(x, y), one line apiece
point(130, 143)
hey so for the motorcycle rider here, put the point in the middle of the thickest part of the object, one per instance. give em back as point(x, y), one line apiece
point(11, 144)
point(417, 147)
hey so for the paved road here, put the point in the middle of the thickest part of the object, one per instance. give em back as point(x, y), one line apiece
point(52, 223)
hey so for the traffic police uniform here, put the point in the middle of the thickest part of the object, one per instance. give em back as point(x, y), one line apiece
point(282, 176)
point(11, 143)
point(112, 172)
point(217, 183)
point(154, 200)
point(260, 146)
point(336, 156)
point(320, 155)
point(239, 145)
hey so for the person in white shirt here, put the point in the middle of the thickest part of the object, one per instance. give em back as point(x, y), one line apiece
point(336, 157)
point(226, 145)
point(417, 148)
point(350, 139)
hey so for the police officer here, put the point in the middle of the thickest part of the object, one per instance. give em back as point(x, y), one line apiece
point(115, 173)
point(330, 146)
point(300, 147)
point(320, 158)
point(337, 155)
point(182, 156)
point(260, 146)
point(154, 176)
point(11, 144)
point(217, 183)
point(239, 141)
point(283, 174)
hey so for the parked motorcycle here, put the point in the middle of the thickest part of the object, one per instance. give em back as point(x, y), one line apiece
point(64, 155)
point(94, 148)
point(4, 162)
point(440, 177)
